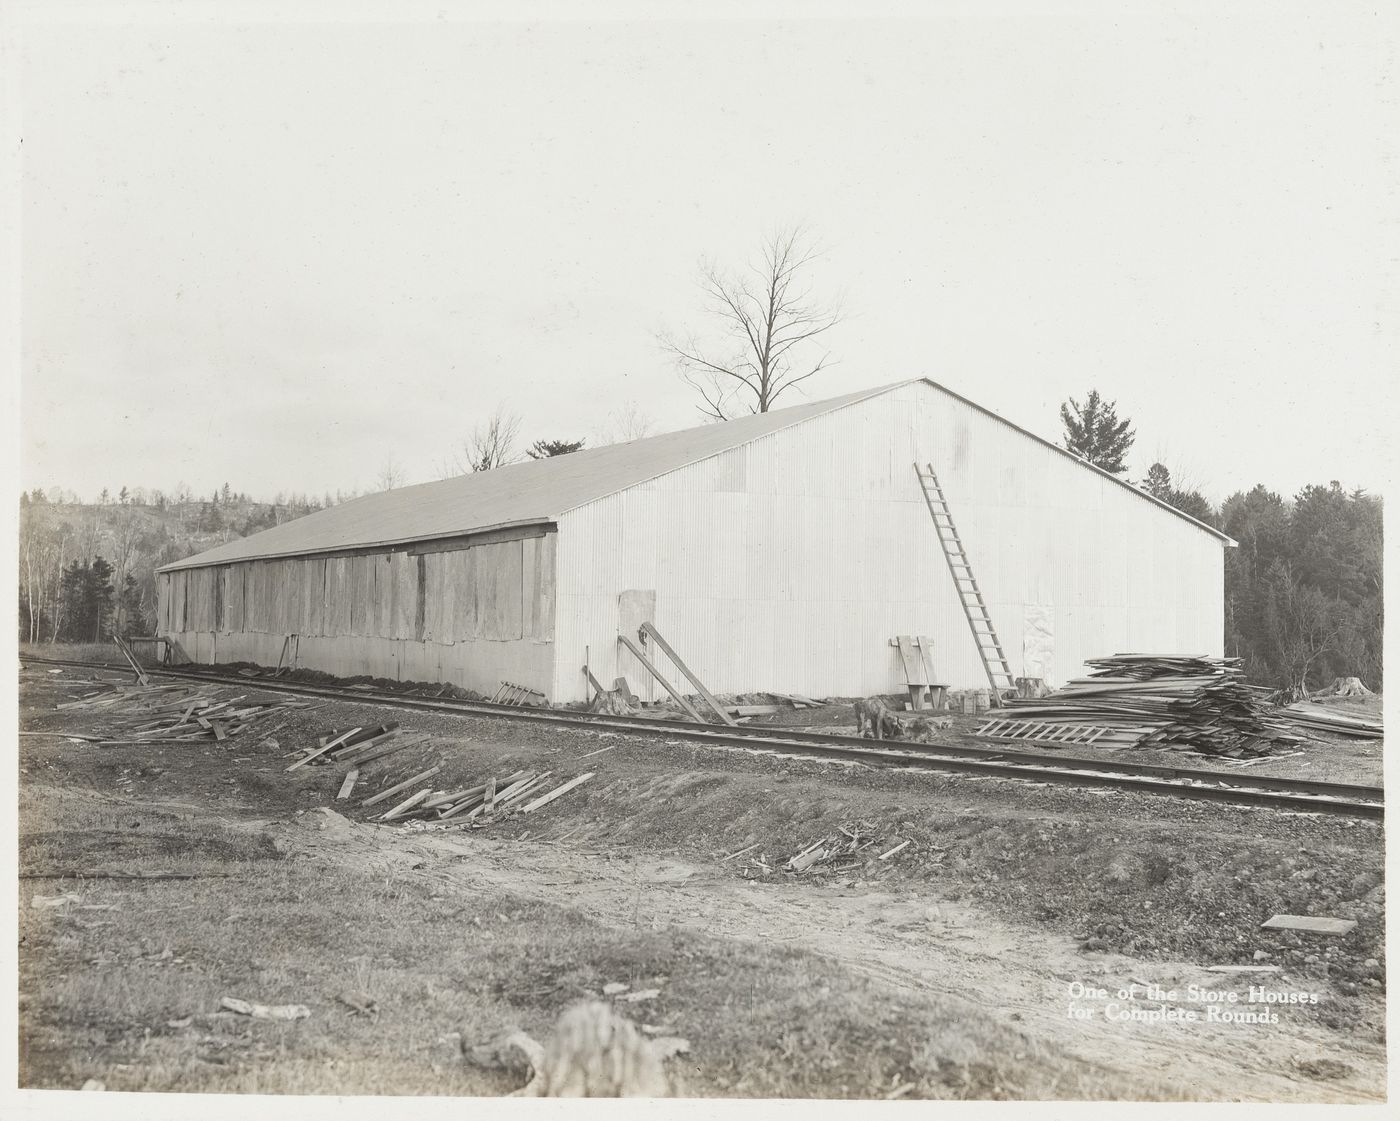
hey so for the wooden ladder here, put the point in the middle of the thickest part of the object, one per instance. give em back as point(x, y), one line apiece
point(979, 619)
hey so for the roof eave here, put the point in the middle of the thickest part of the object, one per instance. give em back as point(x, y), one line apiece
point(391, 545)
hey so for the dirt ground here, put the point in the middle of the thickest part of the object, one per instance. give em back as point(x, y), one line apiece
point(969, 964)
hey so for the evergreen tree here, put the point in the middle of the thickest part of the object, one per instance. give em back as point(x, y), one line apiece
point(1094, 432)
point(547, 449)
point(100, 597)
point(1158, 482)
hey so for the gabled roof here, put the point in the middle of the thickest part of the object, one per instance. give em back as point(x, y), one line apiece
point(540, 491)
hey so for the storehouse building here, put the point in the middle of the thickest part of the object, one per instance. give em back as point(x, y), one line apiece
point(781, 551)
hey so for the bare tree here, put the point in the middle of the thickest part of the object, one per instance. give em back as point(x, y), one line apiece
point(391, 476)
point(768, 319)
point(491, 444)
point(624, 424)
point(126, 536)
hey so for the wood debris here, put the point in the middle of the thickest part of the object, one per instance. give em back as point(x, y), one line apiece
point(489, 800)
point(1316, 718)
point(174, 713)
point(1310, 924)
point(836, 852)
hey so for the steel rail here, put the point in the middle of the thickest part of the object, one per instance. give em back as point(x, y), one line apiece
point(1276, 793)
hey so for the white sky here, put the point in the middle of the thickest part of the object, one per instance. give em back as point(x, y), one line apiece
point(277, 254)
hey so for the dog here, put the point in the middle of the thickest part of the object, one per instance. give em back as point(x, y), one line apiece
point(925, 729)
point(875, 720)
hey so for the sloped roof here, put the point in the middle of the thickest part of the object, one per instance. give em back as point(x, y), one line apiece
point(542, 490)
point(538, 490)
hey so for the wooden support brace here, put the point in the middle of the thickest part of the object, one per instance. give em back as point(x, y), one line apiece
point(656, 673)
point(649, 629)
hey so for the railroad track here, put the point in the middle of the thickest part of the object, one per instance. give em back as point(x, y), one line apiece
point(1298, 795)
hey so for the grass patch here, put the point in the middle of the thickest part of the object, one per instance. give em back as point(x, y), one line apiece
point(124, 985)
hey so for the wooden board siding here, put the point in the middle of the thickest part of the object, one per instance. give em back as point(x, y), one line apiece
point(470, 613)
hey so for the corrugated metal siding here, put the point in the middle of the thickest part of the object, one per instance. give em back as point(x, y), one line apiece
point(789, 563)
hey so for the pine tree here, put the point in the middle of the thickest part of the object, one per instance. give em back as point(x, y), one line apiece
point(1158, 482)
point(100, 596)
point(547, 449)
point(1094, 432)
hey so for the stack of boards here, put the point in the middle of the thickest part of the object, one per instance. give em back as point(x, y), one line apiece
point(1145, 700)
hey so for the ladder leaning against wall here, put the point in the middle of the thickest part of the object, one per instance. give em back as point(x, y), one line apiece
point(974, 606)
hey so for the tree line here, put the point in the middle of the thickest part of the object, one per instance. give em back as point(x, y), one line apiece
point(87, 570)
point(1303, 591)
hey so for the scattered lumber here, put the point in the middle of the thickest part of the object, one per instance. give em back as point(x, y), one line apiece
point(1200, 704)
point(406, 805)
point(481, 798)
point(385, 795)
point(380, 750)
point(173, 713)
point(1317, 718)
point(848, 841)
point(1310, 924)
point(347, 786)
point(544, 800)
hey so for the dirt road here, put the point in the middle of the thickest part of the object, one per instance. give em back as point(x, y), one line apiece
point(915, 941)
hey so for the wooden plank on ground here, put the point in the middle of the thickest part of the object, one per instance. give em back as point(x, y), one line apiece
point(1311, 924)
point(545, 799)
point(383, 750)
point(384, 795)
point(347, 786)
point(406, 805)
point(354, 745)
point(340, 739)
point(307, 758)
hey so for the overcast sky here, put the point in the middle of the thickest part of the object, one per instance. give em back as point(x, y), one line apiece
point(277, 255)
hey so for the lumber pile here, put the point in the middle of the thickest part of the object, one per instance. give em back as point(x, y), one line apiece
point(1198, 704)
point(175, 713)
point(1309, 717)
point(354, 746)
point(488, 800)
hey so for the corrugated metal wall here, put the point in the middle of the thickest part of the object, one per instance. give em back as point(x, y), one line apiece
point(789, 563)
point(471, 616)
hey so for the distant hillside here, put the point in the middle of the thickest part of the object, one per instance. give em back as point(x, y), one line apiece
point(133, 540)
